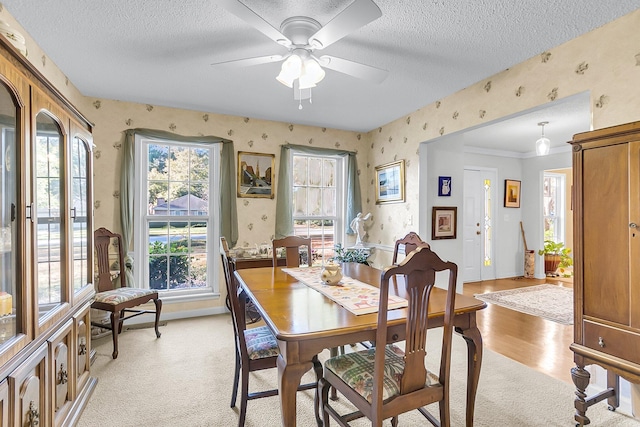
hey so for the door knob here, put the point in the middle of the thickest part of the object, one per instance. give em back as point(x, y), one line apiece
point(633, 225)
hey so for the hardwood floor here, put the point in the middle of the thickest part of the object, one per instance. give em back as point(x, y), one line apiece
point(533, 341)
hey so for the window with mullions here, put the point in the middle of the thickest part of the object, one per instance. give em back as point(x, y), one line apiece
point(177, 221)
point(316, 195)
point(554, 203)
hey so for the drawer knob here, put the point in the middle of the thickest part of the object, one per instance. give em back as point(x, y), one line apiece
point(601, 342)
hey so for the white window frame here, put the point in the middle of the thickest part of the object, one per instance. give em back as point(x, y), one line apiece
point(560, 199)
point(141, 219)
point(341, 185)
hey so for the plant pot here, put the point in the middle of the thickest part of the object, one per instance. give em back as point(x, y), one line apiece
point(551, 263)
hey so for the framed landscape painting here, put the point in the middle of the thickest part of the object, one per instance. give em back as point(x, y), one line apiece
point(255, 175)
point(390, 182)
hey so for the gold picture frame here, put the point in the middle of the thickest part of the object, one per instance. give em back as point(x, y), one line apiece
point(390, 183)
point(444, 222)
point(256, 175)
point(511, 193)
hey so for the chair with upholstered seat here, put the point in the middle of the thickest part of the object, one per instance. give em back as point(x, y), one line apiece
point(121, 301)
point(256, 348)
point(292, 245)
point(405, 245)
point(384, 384)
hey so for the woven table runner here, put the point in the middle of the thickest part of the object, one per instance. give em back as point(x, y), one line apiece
point(354, 295)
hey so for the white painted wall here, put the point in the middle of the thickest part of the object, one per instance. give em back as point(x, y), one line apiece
point(442, 157)
point(533, 171)
point(445, 156)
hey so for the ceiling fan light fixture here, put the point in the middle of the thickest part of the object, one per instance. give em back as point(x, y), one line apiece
point(290, 70)
point(312, 71)
point(543, 144)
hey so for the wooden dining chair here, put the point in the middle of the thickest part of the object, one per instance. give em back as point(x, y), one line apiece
point(383, 384)
point(256, 347)
point(121, 301)
point(292, 245)
point(407, 244)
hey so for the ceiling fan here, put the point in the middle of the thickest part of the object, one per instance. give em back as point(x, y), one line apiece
point(302, 36)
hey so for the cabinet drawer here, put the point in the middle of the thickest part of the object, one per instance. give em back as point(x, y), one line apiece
point(613, 341)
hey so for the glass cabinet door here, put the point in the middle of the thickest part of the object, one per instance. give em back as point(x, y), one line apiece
point(48, 203)
point(10, 291)
point(80, 212)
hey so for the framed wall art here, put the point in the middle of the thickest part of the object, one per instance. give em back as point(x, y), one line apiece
point(511, 193)
point(255, 175)
point(444, 221)
point(444, 186)
point(390, 182)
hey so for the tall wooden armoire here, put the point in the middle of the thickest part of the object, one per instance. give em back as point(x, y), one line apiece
point(606, 197)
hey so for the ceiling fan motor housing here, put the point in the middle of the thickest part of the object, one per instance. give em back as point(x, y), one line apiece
point(298, 29)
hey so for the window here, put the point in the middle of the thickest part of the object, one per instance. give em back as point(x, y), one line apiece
point(318, 183)
point(554, 201)
point(176, 215)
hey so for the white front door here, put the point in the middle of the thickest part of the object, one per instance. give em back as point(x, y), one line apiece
point(478, 234)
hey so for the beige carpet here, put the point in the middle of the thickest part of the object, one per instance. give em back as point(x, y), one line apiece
point(548, 301)
point(185, 377)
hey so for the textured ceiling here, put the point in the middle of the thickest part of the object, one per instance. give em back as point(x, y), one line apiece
point(159, 52)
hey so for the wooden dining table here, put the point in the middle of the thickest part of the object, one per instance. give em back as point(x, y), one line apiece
point(305, 323)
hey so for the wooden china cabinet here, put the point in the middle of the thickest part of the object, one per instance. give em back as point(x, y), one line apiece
point(606, 191)
point(46, 256)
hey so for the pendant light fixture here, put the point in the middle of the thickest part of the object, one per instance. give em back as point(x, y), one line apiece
point(543, 143)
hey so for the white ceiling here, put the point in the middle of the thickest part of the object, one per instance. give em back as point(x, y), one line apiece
point(159, 52)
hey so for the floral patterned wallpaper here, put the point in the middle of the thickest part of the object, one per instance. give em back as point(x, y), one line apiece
point(256, 217)
point(605, 62)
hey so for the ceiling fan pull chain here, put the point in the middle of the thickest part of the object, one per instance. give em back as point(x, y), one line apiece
point(300, 99)
point(310, 96)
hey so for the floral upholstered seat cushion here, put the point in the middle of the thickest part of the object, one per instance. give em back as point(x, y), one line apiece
point(117, 296)
point(356, 370)
point(260, 343)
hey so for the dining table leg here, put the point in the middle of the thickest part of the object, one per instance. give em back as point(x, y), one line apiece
point(471, 335)
point(289, 377)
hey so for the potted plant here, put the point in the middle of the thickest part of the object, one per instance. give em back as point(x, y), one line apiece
point(555, 255)
point(351, 255)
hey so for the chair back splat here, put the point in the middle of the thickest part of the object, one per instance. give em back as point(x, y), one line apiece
point(103, 238)
point(397, 381)
point(292, 245)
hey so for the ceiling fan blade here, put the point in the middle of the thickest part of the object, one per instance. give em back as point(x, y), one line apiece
point(356, 15)
point(355, 69)
point(252, 18)
point(247, 62)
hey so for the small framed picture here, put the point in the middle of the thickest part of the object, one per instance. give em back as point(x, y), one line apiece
point(444, 186)
point(255, 175)
point(511, 193)
point(390, 182)
point(444, 221)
